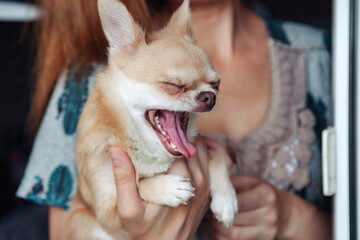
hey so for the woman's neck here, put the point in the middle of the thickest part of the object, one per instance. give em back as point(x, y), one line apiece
point(225, 27)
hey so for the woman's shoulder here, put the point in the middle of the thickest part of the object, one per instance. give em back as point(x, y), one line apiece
point(298, 35)
point(305, 36)
point(313, 45)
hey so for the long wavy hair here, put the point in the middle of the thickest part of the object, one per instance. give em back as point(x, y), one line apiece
point(70, 35)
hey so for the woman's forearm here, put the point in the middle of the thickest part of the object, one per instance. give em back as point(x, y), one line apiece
point(57, 220)
point(304, 221)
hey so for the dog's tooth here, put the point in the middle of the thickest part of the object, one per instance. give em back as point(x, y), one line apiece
point(156, 119)
point(173, 146)
point(163, 132)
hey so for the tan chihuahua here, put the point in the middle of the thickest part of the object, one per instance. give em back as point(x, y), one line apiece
point(145, 101)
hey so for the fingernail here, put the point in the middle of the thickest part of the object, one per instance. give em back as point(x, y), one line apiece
point(115, 157)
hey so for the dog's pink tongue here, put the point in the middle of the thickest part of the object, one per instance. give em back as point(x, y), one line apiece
point(177, 133)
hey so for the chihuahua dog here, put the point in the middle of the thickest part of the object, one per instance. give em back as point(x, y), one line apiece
point(145, 102)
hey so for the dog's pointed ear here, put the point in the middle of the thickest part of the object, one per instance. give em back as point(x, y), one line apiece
point(121, 31)
point(180, 21)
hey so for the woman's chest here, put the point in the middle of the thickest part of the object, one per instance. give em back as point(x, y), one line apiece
point(242, 102)
point(267, 126)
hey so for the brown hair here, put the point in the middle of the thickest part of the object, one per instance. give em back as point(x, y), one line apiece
point(70, 35)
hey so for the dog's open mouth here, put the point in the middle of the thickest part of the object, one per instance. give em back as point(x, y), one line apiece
point(171, 127)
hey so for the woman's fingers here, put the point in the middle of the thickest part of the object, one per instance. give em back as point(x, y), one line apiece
point(195, 168)
point(238, 232)
point(243, 182)
point(216, 146)
point(259, 216)
point(220, 229)
point(179, 167)
point(130, 205)
point(260, 195)
point(198, 165)
point(202, 152)
point(212, 144)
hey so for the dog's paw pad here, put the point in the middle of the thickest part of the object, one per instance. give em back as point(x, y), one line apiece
point(224, 207)
point(178, 190)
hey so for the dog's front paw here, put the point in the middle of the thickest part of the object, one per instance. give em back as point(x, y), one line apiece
point(177, 190)
point(171, 190)
point(224, 206)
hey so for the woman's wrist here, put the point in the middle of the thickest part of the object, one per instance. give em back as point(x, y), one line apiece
point(284, 214)
point(301, 219)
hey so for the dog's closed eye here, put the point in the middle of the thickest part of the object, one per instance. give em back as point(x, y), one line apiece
point(215, 85)
point(172, 88)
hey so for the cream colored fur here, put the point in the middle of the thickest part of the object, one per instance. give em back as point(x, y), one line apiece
point(131, 84)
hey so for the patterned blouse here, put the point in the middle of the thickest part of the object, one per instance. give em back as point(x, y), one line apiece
point(284, 151)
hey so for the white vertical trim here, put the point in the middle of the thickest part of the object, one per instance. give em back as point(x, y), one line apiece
point(329, 161)
point(341, 111)
point(357, 72)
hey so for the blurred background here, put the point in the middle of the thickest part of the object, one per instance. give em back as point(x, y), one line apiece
point(17, 52)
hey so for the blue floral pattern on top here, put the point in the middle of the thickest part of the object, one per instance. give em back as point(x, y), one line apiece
point(36, 190)
point(72, 102)
point(60, 187)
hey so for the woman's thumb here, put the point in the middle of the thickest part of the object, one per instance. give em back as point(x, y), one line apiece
point(129, 202)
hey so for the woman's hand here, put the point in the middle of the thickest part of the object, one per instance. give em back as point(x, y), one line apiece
point(144, 220)
point(268, 213)
point(261, 211)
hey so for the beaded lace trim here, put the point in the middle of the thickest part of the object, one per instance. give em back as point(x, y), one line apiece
point(279, 151)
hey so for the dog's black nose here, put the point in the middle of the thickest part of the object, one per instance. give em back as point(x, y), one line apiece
point(206, 101)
